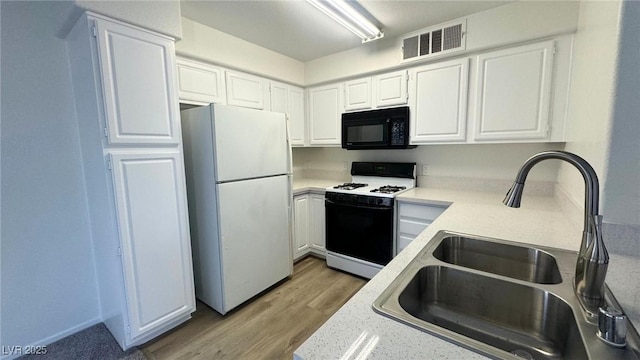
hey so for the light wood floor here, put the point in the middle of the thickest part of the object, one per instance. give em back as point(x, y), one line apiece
point(270, 326)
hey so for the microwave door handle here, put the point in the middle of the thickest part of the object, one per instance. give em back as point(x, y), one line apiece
point(369, 207)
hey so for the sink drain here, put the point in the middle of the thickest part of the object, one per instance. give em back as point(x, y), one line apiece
point(523, 354)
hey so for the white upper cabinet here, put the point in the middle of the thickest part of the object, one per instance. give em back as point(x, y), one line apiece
point(357, 94)
point(325, 112)
point(279, 97)
point(380, 91)
point(390, 89)
point(438, 100)
point(154, 235)
point(199, 83)
point(138, 76)
point(290, 100)
point(513, 91)
point(297, 133)
point(246, 90)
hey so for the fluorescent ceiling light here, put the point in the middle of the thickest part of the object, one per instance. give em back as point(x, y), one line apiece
point(347, 16)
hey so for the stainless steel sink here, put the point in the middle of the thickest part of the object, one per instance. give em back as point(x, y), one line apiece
point(515, 318)
point(524, 263)
point(505, 304)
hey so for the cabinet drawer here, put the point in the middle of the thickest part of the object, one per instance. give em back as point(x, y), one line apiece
point(411, 227)
point(421, 212)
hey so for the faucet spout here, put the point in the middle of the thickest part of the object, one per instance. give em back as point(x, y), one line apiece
point(593, 259)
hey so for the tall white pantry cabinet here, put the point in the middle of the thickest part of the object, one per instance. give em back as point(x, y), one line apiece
point(129, 123)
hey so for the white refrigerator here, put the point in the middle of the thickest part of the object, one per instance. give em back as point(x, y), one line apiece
point(238, 167)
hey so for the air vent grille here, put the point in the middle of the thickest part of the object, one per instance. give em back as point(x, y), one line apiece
point(452, 37)
point(410, 47)
point(424, 44)
point(434, 41)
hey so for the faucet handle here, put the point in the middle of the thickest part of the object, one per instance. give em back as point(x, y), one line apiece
point(612, 327)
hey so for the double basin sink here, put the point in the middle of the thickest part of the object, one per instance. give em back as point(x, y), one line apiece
point(502, 299)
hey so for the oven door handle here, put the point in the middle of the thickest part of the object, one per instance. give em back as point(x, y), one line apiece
point(368, 207)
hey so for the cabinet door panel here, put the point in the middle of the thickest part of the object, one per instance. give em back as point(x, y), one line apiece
point(138, 76)
point(153, 228)
point(439, 102)
point(200, 83)
point(296, 116)
point(279, 98)
point(391, 89)
point(317, 216)
point(357, 94)
point(513, 93)
point(301, 224)
point(245, 90)
point(325, 111)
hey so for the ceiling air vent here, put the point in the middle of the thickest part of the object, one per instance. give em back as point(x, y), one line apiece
point(434, 41)
point(410, 46)
point(424, 44)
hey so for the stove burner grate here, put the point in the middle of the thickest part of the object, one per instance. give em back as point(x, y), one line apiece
point(388, 189)
point(349, 186)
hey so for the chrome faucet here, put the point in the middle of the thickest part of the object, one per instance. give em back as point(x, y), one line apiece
point(593, 259)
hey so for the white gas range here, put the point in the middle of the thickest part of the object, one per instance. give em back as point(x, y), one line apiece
point(359, 216)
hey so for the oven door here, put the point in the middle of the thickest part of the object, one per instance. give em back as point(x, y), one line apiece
point(360, 231)
point(365, 133)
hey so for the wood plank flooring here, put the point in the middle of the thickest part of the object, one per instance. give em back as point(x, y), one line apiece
point(270, 326)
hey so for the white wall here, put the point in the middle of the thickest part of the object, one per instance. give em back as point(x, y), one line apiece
point(207, 44)
point(622, 181)
point(516, 22)
point(486, 161)
point(48, 278)
point(161, 16)
point(592, 93)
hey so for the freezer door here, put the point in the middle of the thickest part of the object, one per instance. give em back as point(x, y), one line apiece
point(249, 143)
point(254, 242)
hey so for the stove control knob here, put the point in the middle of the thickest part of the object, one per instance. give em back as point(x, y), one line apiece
point(379, 201)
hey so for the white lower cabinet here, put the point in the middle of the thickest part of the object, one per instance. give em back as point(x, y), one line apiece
point(412, 219)
point(317, 228)
point(301, 225)
point(153, 226)
point(309, 224)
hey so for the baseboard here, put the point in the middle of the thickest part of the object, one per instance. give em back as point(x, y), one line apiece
point(53, 338)
point(311, 252)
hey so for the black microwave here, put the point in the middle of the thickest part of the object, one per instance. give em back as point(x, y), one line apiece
point(376, 129)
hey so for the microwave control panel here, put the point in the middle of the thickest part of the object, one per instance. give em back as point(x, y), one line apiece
point(397, 132)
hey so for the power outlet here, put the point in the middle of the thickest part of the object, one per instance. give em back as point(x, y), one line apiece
point(345, 166)
point(424, 170)
point(307, 164)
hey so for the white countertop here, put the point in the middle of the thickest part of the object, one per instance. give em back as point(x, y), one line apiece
point(357, 332)
point(303, 185)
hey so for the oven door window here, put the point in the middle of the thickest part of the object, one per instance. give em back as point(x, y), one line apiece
point(362, 232)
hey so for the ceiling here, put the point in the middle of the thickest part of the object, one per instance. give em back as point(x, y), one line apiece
point(297, 29)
